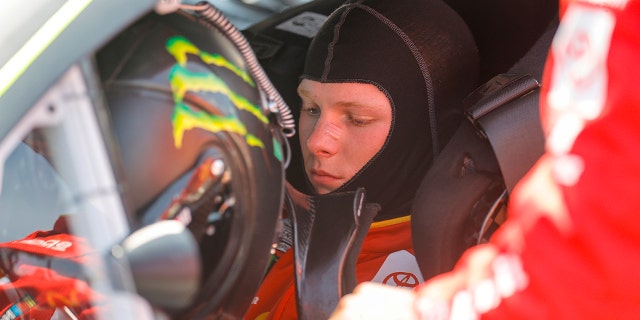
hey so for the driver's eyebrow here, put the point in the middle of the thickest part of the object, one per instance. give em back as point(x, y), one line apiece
point(355, 106)
point(303, 93)
point(346, 104)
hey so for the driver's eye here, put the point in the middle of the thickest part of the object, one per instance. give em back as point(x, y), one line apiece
point(311, 110)
point(359, 121)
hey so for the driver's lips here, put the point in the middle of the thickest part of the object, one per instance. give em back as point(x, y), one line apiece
point(323, 181)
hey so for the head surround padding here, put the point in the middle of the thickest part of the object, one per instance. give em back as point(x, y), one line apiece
point(423, 57)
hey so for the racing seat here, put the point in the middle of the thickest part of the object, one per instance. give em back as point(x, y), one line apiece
point(504, 30)
point(462, 199)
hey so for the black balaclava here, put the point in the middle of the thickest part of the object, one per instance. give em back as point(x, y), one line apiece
point(421, 54)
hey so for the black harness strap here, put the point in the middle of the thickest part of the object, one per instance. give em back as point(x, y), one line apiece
point(462, 198)
point(505, 110)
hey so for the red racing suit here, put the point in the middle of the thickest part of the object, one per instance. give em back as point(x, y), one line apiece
point(386, 257)
point(571, 246)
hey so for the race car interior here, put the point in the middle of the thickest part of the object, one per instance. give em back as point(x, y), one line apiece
point(461, 201)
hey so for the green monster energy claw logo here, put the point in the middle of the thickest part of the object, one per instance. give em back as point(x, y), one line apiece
point(179, 47)
point(183, 80)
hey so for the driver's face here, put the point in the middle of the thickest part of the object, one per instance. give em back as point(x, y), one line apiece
point(342, 126)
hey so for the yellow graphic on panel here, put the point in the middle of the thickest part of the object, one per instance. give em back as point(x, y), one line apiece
point(183, 81)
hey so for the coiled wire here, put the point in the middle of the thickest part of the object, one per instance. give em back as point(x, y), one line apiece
point(217, 19)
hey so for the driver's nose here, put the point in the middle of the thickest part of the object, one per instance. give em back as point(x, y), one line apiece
point(324, 139)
